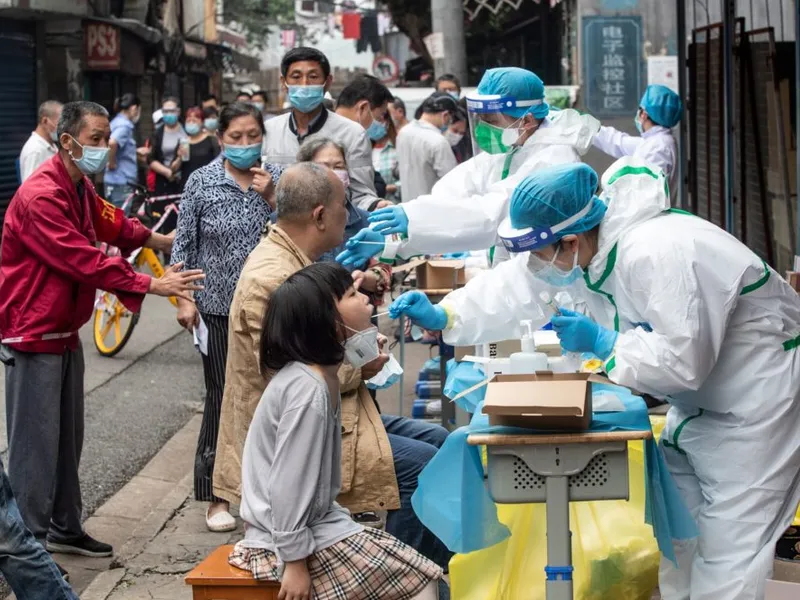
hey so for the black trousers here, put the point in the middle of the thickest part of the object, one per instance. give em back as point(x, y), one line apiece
point(214, 374)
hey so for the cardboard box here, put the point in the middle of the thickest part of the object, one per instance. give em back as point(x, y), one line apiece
point(439, 275)
point(543, 400)
point(787, 571)
point(781, 590)
point(794, 280)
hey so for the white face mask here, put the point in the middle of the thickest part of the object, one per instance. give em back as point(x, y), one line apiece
point(511, 134)
point(453, 138)
point(387, 376)
point(362, 347)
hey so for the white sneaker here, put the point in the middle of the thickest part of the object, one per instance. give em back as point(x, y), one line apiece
point(220, 522)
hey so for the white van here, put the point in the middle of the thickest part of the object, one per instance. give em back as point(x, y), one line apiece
point(414, 96)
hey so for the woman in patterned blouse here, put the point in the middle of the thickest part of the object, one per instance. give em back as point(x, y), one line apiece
point(224, 207)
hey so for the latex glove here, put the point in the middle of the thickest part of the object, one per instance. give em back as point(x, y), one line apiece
point(361, 247)
point(389, 220)
point(416, 306)
point(578, 333)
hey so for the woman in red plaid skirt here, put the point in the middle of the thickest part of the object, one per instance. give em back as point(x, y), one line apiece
point(296, 533)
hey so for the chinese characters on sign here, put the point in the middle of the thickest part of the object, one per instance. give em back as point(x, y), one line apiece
point(102, 46)
point(612, 64)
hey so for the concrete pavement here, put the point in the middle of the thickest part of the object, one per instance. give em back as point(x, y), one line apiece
point(156, 326)
point(169, 536)
point(134, 404)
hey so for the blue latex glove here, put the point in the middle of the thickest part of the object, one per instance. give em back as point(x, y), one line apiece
point(361, 247)
point(578, 333)
point(389, 220)
point(416, 306)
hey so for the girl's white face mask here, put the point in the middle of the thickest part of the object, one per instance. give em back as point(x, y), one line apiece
point(387, 376)
point(362, 347)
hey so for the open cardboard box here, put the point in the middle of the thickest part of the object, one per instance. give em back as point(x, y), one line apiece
point(436, 275)
point(542, 400)
point(785, 582)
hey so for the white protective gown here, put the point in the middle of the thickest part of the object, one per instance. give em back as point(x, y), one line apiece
point(466, 206)
point(706, 323)
point(655, 146)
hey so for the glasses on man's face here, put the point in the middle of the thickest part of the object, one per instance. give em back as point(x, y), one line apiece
point(170, 111)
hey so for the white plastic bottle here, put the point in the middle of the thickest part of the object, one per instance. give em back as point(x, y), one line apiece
point(528, 361)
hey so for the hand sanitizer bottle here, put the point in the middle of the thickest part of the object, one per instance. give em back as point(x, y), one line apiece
point(528, 361)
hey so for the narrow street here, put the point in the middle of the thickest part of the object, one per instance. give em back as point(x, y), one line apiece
point(135, 402)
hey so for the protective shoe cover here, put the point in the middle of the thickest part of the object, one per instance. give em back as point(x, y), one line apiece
point(466, 206)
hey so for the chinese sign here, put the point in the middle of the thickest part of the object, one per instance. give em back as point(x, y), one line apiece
point(102, 46)
point(612, 63)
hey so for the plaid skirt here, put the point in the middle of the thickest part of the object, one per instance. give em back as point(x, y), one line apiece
point(370, 565)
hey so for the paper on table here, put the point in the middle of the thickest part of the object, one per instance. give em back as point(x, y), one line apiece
point(200, 335)
point(606, 402)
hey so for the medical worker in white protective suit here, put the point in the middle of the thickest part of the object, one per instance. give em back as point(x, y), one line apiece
point(680, 309)
point(660, 109)
point(513, 135)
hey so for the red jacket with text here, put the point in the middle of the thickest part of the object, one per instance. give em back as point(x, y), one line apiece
point(50, 267)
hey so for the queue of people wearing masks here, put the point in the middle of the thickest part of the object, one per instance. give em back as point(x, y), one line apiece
point(259, 235)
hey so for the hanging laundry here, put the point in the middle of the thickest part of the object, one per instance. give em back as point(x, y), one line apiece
point(288, 38)
point(384, 24)
point(351, 26)
point(369, 38)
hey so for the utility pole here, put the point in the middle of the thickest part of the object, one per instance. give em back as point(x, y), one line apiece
point(448, 20)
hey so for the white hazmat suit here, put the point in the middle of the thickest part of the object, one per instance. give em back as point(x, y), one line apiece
point(655, 146)
point(705, 322)
point(466, 206)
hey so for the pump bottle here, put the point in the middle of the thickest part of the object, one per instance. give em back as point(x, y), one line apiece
point(528, 361)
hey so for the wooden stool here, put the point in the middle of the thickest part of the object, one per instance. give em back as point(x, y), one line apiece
point(215, 579)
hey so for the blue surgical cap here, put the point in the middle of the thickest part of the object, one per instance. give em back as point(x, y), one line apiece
point(518, 84)
point(551, 196)
point(663, 106)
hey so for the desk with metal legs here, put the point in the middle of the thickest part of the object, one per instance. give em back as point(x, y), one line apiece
point(557, 469)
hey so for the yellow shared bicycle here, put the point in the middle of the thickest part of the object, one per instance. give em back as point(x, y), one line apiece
point(113, 323)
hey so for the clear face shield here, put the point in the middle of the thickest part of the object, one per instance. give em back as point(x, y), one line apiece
point(491, 128)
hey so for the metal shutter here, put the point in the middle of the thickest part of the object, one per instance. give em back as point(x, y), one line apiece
point(18, 99)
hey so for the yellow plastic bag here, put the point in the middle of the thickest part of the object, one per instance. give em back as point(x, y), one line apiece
point(614, 552)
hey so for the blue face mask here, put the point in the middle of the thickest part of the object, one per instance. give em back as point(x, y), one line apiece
point(211, 124)
point(93, 159)
point(638, 124)
point(376, 131)
point(306, 98)
point(554, 276)
point(192, 128)
point(170, 119)
point(243, 157)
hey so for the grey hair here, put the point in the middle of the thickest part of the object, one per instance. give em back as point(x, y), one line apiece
point(313, 145)
point(48, 109)
point(73, 115)
point(302, 188)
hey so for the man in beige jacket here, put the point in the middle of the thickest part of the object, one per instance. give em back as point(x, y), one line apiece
point(303, 232)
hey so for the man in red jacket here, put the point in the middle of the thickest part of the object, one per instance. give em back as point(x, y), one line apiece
point(50, 269)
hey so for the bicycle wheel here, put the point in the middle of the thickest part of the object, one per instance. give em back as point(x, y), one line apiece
point(113, 324)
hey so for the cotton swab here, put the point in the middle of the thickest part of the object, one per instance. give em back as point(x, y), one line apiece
point(545, 297)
